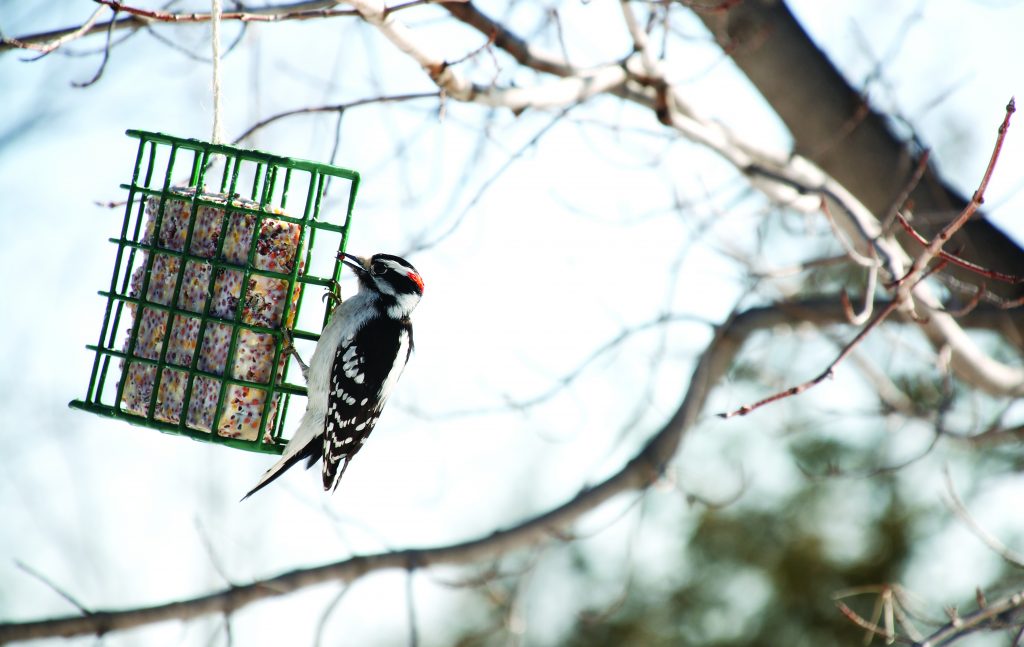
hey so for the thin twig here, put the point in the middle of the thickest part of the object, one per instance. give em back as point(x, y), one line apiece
point(956, 260)
point(856, 619)
point(827, 373)
point(908, 188)
point(957, 506)
point(854, 255)
point(103, 63)
point(427, 244)
point(860, 318)
point(339, 107)
point(53, 586)
point(566, 379)
point(46, 47)
point(940, 239)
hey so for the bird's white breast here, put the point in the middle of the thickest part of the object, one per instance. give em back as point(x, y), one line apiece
point(346, 319)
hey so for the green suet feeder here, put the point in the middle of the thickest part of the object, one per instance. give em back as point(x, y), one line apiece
point(215, 258)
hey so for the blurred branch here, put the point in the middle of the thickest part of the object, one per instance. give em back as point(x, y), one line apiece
point(56, 589)
point(992, 615)
point(644, 469)
point(51, 42)
point(103, 62)
point(957, 506)
point(338, 107)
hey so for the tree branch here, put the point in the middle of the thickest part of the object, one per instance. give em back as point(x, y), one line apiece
point(767, 42)
point(639, 473)
point(990, 614)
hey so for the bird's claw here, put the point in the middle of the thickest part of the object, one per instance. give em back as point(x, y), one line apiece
point(333, 294)
point(288, 348)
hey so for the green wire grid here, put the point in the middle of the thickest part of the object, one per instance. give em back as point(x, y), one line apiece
point(269, 183)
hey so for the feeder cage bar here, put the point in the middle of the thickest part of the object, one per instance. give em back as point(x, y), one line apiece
point(204, 279)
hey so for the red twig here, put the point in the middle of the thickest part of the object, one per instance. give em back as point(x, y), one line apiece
point(956, 260)
point(827, 373)
point(856, 619)
point(935, 246)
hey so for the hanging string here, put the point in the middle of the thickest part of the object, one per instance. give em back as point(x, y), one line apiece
point(215, 13)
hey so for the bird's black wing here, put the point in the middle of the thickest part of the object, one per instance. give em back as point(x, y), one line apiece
point(361, 378)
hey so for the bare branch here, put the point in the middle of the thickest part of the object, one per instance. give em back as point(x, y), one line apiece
point(940, 239)
point(871, 627)
point(990, 615)
point(824, 375)
point(914, 276)
point(103, 63)
point(956, 260)
point(338, 107)
point(57, 589)
point(47, 46)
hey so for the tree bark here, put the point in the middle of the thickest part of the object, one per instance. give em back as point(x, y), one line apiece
point(832, 124)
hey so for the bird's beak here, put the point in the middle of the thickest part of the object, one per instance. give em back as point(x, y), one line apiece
point(357, 263)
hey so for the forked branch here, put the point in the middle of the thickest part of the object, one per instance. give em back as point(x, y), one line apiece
point(903, 285)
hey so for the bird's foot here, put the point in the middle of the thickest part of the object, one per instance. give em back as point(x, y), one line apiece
point(333, 294)
point(289, 349)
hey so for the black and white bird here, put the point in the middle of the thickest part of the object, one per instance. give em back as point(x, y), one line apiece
point(361, 354)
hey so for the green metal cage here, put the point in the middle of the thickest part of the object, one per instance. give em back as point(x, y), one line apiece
point(215, 257)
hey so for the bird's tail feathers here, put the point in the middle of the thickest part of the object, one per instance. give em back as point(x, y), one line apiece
point(280, 467)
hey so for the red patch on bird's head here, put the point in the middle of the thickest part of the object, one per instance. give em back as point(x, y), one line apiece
point(415, 278)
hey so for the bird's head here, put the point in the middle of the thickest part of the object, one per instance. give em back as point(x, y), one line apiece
point(392, 279)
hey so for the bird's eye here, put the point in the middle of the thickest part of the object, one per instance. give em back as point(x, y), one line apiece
point(378, 268)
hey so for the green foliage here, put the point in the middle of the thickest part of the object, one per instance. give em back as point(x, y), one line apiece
point(783, 548)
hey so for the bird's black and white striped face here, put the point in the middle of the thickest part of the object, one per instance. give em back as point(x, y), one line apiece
point(391, 278)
